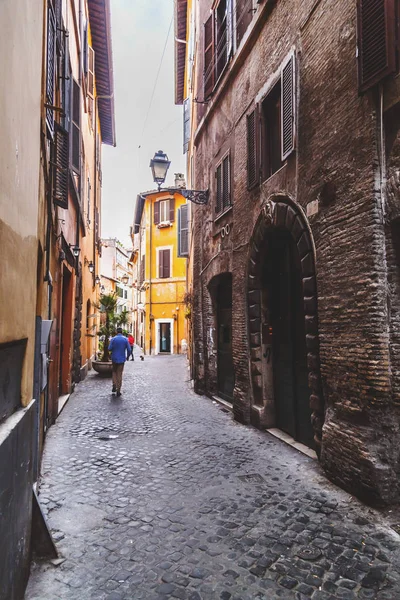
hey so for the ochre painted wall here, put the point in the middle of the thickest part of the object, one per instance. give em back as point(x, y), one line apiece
point(20, 108)
point(164, 297)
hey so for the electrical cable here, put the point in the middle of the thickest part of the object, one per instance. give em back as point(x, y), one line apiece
point(156, 81)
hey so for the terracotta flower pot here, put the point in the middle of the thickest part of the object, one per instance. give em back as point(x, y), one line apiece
point(104, 369)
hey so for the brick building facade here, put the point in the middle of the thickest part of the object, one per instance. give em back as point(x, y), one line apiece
point(295, 261)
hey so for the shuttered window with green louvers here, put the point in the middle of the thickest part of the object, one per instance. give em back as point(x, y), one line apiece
point(376, 41)
point(61, 166)
point(50, 67)
point(287, 108)
point(76, 127)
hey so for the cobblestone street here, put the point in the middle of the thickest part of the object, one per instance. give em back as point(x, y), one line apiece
point(160, 494)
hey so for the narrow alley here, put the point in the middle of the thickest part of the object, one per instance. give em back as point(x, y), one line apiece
point(160, 494)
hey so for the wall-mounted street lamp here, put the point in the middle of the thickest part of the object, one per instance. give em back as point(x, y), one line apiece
point(75, 249)
point(91, 267)
point(159, 167)
point(97, 280)
point(125, 279)
point(102, 289)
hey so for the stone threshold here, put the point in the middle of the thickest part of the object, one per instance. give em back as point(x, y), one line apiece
point(223, 402)
point(62, 401)
point(284, 437)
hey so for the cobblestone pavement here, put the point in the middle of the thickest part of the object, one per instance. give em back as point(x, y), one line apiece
point(160, 494)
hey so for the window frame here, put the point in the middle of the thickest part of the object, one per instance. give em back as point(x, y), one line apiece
point(220, 164)
point(164, 249)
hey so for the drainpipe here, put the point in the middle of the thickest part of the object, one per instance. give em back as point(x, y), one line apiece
point(150, 261)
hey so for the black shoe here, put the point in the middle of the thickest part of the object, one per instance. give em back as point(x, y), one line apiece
point(118, 393)
point(114, 389)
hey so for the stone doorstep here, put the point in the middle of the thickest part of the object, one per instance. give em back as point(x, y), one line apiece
point(224, 403)
point(62, 401)
point(284, 437)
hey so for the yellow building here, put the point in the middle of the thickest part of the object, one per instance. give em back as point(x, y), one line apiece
point(161, 249)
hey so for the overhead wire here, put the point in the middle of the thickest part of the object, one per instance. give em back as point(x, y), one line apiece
point(156, 81)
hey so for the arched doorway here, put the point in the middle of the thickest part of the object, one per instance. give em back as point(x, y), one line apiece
point(282, 309)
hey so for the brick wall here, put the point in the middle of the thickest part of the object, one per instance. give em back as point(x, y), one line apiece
point(337, 162)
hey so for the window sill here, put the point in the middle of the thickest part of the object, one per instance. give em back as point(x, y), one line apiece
point(222, 214)
point(164, 224)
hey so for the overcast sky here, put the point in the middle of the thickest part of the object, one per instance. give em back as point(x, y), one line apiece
point(139, 32)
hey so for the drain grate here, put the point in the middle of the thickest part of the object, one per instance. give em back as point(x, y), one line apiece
point(309, 553)
point(252, 478)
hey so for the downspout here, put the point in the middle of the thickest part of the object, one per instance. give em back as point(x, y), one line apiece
point(150, 261)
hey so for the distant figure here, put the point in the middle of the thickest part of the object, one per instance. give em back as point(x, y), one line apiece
point(131, 340)
point(120, 349)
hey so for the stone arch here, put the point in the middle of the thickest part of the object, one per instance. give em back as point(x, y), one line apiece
point(279, 211)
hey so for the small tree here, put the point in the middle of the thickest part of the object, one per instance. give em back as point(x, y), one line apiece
point(107, 306)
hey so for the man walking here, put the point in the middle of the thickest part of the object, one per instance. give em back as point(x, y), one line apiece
point(120, 350)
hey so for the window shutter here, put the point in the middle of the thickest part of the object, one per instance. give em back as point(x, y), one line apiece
point(167, 264)
point(252, 154)
point(51, 66)
point(209, 71)
point(90, 84)
point(218, 176)
point(85, 49)
point(172, 209)
point(75, 127)
point(160, 264)
point(186, 124)
point(376, 41)
point(287, 109)
point(226, 182)
point(156, 213)
point(183, 238)
point(229, 29)
point(61, 167)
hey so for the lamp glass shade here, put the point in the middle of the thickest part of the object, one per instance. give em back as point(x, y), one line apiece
point(75, 251)
point(125, 279)
point(91, 267)
point(97, 280)
point(159, 166)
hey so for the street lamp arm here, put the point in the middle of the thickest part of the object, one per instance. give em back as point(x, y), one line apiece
point(195, 196)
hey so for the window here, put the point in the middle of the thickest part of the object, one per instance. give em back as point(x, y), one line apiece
point(76, 127)
point(126, 294)
point(50, 66)
point(61, 166)
point(271, 134)
point(142, 273)
point(376, 41)
point(120, 292)
point(164, 263)
point(90, 85)
point(89, 187)
point(252, 149)
point(183, 230)
point(223, 185)
point(218, 31)
point(164, 210)
point(244, 15)
point(277, 127)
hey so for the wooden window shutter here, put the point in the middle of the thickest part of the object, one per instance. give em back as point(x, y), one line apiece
point(209, 67)
point(167, 263)
point(252, 149)
point(51, 66)
point(90, 84)
point(76, 127)
point(226, 182)
point(218, 176)
point(376, 41)
point(183, 229)
point(287, 108)
point(61, 166)
point(172, 209)
point(160, 263)
point(156, 213)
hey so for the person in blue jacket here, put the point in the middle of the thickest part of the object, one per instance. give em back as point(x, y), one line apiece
point(120, 350)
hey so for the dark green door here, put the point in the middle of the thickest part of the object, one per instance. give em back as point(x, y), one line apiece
point(226, 378)
point(291, 392)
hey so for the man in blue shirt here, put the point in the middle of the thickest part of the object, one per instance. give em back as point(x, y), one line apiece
point(120, 349)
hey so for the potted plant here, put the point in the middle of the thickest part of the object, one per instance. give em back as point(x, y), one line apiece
point(107, 307)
